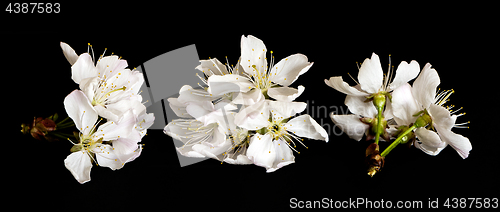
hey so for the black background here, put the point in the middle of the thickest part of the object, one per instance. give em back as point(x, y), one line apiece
point(455, 40)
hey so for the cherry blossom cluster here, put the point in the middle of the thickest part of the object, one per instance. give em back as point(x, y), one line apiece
point(106, 110)
point(414, 114)
point(245, 113)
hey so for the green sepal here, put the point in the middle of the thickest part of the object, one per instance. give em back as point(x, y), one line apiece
point(76, 148)
point(77, 135)
point(54, 117)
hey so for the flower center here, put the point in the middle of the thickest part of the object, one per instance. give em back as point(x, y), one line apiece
point(100, 98)
point(240, 136)
point(88, 143)
point(261, 80)
point(276, 129)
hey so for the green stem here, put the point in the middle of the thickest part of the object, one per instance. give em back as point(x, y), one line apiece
point(58, 135)
point(61, 122)
point(60, 127)
point(397, 141)
point(379, 124)
point(62, 135)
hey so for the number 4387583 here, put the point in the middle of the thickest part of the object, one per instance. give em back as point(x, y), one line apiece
point(33, 8)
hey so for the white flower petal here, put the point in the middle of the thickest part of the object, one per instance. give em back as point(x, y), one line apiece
point(212, 67)
point(359, 106)
point(388, 110)
point(111, 65)
point(177, 130)
point(219, 85)
point(80, 111)
point(190, 94)
point(424, 87)
point(79, 164)
point(191, 132)
point(126, 150)
point(214, 151)
point(135, 81)
point(351, 125)
point(225, 106)
point(261, 150)
point(285, 94)
point(444, 122)
point(441, 117)
point(188, 151)
point(253, 53)
point(178, 108)
point(287, 70)
point(119, 79)
point(106, 113)
point(370, 75)
point(405, 73)
point(404, 105)
point(253, 117)
point(69, 53)
point(83, 68)
point(106, 157)
point(114, 111)
point(208, 113)
point(460, 143)
point(201, 111)
point(147, 121)
point(305, 126)
point(338, 84)
point(113, 130)
point(240, 159)
point(429, 141)
point(284, 155)
point(249, 98)
point(286, 109)
point(89, 86)
point(188, 131)
point(124, 147)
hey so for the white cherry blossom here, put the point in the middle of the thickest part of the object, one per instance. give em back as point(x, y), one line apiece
point(91, 146)
point(408, 101)
point(105, 82)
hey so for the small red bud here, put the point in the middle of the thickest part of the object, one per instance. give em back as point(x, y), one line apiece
point(39, 128)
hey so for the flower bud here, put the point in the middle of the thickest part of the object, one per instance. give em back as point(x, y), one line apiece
point(373, 160)
point(39, 128)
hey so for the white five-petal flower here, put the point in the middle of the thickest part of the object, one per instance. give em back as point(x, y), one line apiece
point(214, 129)
point(106, 83)
point(271, 147)
point(90, 146)
point(257, 76)
point(408, 101)
point(371, 81)
point(371, 78)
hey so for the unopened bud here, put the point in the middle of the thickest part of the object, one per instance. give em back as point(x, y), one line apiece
point(39, 128)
